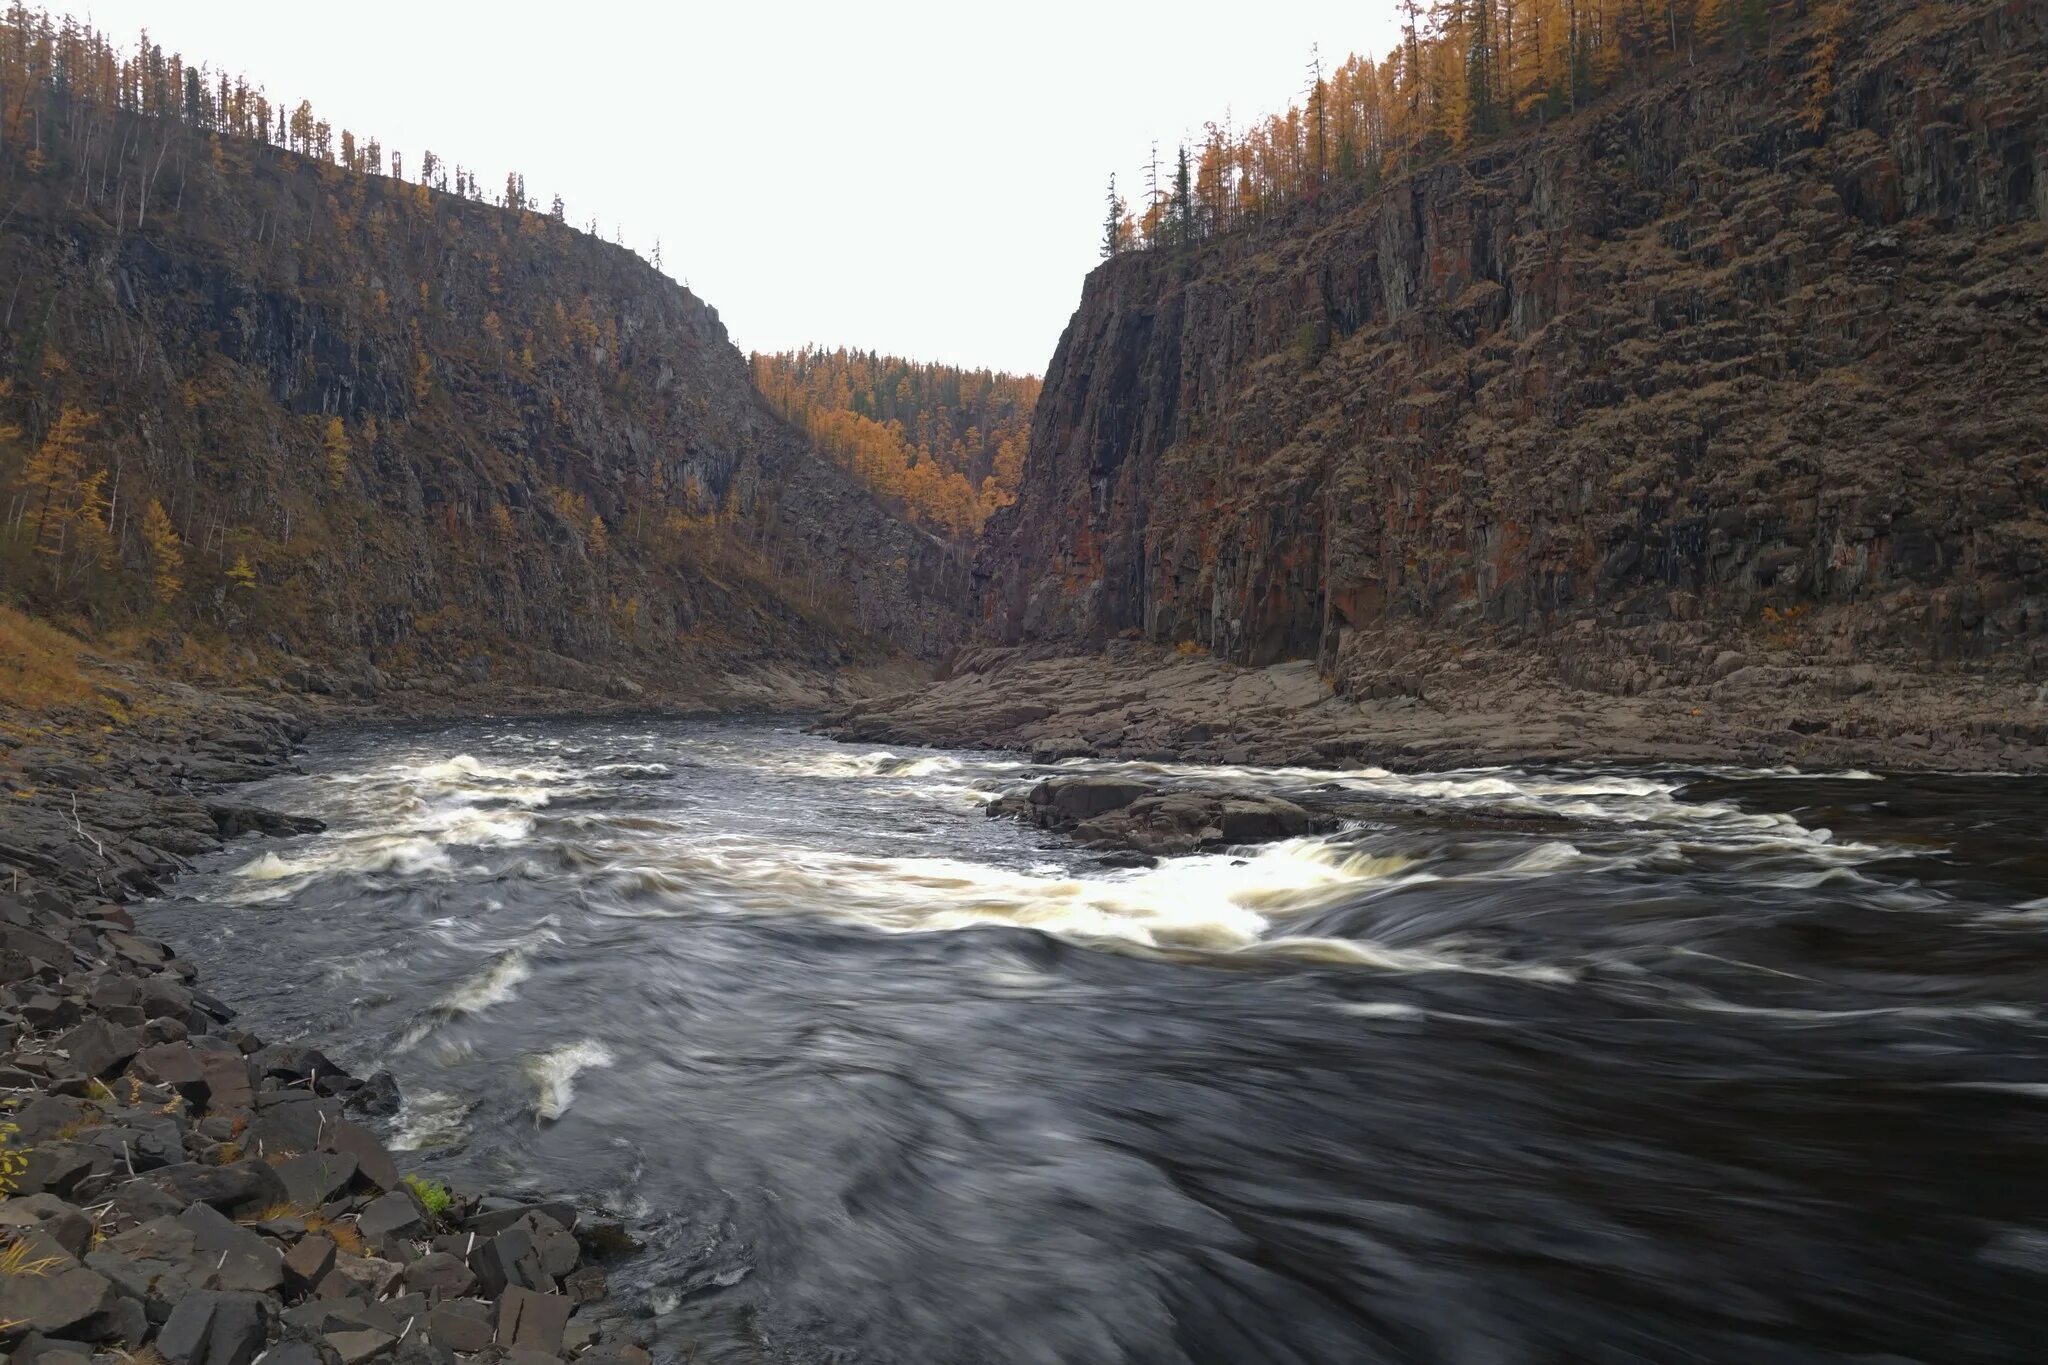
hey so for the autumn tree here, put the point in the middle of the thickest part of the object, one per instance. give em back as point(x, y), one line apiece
point(166, 554)
point(335, 444)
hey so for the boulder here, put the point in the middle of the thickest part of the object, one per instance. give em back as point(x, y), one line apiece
point(60, 1222)
point(61, 1297)
point(309, 1260)
point(317, 1177)
point(529, 1321)
point(216, 1328)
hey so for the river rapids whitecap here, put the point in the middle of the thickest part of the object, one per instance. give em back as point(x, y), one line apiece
point(1519, 1066)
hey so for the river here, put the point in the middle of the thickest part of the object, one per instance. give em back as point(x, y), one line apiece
point(1520, 1066)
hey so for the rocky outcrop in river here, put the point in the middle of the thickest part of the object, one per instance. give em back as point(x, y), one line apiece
point(1742, 371)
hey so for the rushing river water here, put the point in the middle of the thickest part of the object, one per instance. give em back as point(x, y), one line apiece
point(1518, 1067)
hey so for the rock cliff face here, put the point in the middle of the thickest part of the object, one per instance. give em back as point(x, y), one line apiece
point(551, 459)
point(1750, 359)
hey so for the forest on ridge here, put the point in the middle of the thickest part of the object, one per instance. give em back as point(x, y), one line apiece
point(1462, 72)
point(944, 445)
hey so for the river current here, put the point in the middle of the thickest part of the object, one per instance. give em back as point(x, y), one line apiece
point(1517, 1067)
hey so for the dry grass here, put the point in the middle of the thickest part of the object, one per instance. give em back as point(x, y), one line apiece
point(18, 1259)
point(345, 1236)
point(276, 1211)
point(39, 666)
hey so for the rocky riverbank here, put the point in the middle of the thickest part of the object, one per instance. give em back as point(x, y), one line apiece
point(174, 1184)
point(1475, 708)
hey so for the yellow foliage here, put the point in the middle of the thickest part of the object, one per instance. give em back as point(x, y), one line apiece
point(38, 664)
point(911, 432)
point(336, 445)
point(13, 1159)
point(242, 573)
point(166, 556)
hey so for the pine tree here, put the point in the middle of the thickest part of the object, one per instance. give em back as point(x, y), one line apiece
point(1113, 226)
point(242, 573)
point(1183, 200)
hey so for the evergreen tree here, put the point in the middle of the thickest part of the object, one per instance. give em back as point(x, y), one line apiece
point(1113, 227)
point(1183, 200)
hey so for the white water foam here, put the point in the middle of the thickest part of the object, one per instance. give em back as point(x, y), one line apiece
point(554, 1074)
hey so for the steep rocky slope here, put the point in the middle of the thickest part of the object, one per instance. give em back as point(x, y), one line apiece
point(449, 441)
point(1743, 369)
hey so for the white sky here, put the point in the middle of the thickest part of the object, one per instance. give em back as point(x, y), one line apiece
point(917, 177)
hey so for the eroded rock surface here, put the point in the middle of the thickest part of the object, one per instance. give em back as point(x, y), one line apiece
point(1724, 383)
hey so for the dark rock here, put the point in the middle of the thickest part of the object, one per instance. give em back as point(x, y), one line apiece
point(213, 1328)
point(317, 1177)
point(242, 1187)
point(585, 1284)
point(356, 1347)
point(300, 1353)
point(509, 1260)
point(376, 1096)
point(176, 1065)
point(605, 1239)
point(440, 1275)
point(374, 1162)
point(60, 1222)
point(530, 1321)
point(233, 821)
point(60, 1168)
point(245, 1260)
point(462, 1325)
point(495, 1214)
point(50, 1116)
point(309, 1260)
point(368, 1275)
point(65, 1299)
point(230, 1080)
point(393, 1215)
point(418, 1349)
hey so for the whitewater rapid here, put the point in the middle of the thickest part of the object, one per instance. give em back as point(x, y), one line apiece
point(1514, 1064)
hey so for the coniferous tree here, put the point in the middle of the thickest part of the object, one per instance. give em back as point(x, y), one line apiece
point(1113, 226)
point(1183, 200)
point(166, 554)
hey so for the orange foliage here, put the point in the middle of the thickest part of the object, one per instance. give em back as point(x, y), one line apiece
point(946, 445)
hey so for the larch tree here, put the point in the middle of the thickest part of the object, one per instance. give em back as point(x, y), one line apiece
point(166, 552)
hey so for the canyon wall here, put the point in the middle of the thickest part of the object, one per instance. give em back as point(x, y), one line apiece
point(1754, 358)
point(402, 433)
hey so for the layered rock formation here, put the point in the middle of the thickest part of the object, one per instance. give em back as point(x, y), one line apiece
point(1748, 364)
point(548, 455)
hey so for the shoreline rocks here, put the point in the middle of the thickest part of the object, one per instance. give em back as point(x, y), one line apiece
point(1144, 703)
point(170, 1182)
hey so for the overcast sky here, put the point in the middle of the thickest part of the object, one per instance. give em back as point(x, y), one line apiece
point(920, 178)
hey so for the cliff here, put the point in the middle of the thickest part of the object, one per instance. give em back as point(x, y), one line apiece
point(1747, 364)
point(404, 436)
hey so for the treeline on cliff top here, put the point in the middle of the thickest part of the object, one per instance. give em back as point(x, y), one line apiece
point(1463, 71)
point(943, 445)
point(252, 389)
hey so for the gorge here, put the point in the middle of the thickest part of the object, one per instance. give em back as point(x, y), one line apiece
point(1460, 784)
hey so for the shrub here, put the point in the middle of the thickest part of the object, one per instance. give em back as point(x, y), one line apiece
point(432, 1194)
